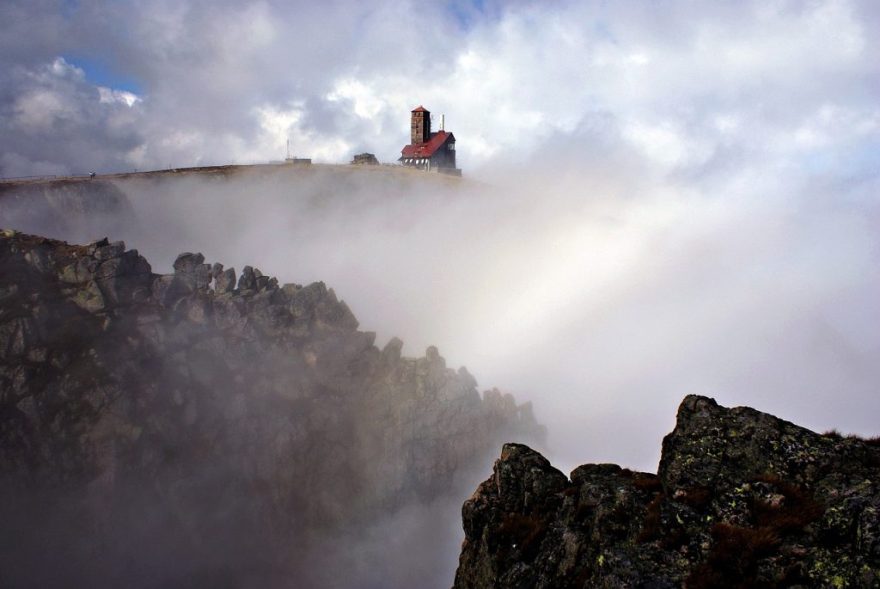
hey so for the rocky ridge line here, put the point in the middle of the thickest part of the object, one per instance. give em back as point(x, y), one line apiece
point(742, 499)
point(245, 414)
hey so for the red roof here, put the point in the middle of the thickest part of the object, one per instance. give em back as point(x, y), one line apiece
point(420, 108)
point(427, 148)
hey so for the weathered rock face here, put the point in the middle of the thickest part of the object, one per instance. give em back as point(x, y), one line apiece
point(742, 499)
point(191, 430)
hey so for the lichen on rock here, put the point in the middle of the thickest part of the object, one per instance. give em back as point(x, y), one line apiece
point(741, 499)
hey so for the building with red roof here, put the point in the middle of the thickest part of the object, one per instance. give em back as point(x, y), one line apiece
point(427, 150)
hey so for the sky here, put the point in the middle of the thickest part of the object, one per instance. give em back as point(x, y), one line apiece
point(684, 194)
point(695, 88)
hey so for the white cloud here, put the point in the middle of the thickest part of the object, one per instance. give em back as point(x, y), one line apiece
point(663, 143)
point(110, 96)
point(365, 101)
point(37, 110)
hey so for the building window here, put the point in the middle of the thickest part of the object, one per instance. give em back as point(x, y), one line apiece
point(451, 146)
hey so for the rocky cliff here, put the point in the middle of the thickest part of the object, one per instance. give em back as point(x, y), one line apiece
point(741, 499)
point(201, 428)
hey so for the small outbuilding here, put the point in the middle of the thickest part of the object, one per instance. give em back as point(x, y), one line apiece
point(365, 159)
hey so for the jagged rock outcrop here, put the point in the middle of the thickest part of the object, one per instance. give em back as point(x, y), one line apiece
point(741, 499)
point(194, 430)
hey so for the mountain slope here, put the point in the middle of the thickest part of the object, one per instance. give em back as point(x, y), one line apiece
point(205, 428)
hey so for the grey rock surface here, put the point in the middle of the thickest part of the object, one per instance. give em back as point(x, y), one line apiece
point(741, 499)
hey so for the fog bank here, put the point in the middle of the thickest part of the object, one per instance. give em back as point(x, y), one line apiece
point(603, 296)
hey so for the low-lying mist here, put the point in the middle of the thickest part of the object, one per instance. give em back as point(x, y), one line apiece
point(604, 299)
point(601, 296)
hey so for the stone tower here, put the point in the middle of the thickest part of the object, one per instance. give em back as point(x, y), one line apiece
point(420, 126)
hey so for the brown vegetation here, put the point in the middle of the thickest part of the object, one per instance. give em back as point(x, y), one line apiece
point(733, 561)
point(648, 483)
point(736, 552)
point(523, 533)
point(651, 526)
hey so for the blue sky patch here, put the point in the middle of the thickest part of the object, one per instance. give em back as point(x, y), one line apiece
point(467, 12)
point(101, 73)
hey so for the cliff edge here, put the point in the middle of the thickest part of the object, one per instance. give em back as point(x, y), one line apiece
point(202, 428)
point(741, 499)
